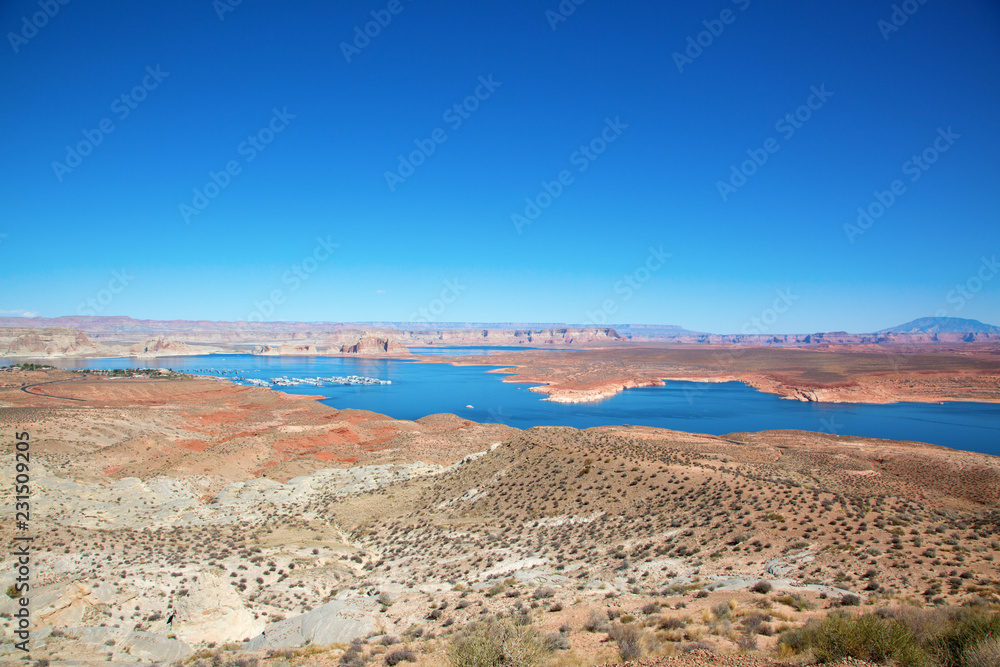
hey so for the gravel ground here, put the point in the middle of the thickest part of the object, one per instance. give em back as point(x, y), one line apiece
point(704, 659)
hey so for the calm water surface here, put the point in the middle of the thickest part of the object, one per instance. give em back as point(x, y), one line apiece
point(421, 389)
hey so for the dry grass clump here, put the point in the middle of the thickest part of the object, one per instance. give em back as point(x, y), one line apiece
point(959, 637)
point(986, 653)
point(497, 642)
point(628, 638)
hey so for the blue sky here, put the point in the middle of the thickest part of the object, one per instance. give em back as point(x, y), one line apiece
point(649, 224)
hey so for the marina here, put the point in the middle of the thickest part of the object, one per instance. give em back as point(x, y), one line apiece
point(284, 381)
point(416, 390)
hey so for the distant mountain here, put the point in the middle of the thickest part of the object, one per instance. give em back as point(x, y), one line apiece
point(936, 325)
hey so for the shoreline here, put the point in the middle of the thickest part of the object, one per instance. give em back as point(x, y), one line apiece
point(554, 389)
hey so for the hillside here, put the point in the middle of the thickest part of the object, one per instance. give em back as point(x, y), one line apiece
point(289, 528)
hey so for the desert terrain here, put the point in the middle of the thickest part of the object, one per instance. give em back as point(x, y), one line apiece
point(274, 530)
point(856, 374)
point(574, 364)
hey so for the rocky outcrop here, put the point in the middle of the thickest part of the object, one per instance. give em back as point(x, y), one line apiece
point(145, 646)
point(213, 611)
point(59, 342)
point(370, 345)
point(338, 621)
point(162, 347)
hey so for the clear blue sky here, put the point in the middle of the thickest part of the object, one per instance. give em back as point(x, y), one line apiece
point(656, 184)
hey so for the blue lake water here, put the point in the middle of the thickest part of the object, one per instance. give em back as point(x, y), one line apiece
point(421, 389)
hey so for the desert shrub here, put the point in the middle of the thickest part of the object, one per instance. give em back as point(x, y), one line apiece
point(629, 641)
point(389, 640)
point(398, 655)
point(986, 653)
point(353, 656)
point(556, 641)
point(756, 622)
point(243, 661)
point(722, 610)
point(697, 646)
point(762, 587)
point(795, 600)
point(497, 642)
point(966, 628)
point(747, 641)
point(651, 608)
point(866, 637)
point(556, 607)
point(596, 622)
point(542, 593)
point(850, 600)
point(671, 624)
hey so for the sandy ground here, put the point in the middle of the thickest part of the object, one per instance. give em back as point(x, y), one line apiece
point(238, 507)
point(860, 374)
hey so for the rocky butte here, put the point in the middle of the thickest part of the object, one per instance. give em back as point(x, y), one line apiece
point(373, 345)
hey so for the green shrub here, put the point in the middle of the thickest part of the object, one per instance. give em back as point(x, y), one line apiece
point(966, 628)
point(496, 643)
point(866, 637)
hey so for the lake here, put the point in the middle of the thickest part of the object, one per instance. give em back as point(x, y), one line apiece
point(421, 389)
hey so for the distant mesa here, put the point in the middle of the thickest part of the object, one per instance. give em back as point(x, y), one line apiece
point(943, 325)
point(373, 345)
point(52, 342)
point(161, 347)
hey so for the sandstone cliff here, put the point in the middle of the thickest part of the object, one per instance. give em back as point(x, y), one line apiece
point(58, 342)
point(368, 345)
point(162, 347)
